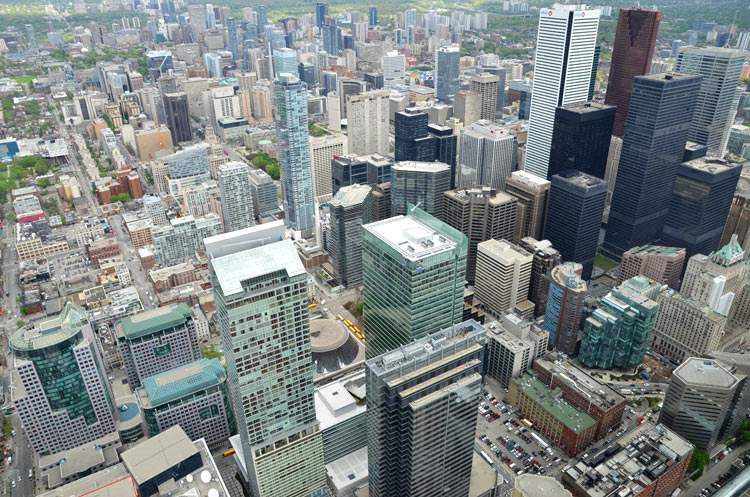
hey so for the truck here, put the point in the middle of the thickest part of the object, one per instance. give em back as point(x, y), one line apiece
point(539, 440)
point(526, 422)
point(645, 376)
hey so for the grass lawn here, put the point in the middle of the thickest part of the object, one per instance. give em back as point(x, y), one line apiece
point(24, 79)
point(606, 264)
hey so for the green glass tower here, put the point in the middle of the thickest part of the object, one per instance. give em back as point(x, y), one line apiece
point(616, 335)
point(413, 271)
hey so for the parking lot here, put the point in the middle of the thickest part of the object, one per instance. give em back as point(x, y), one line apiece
point(509, 442)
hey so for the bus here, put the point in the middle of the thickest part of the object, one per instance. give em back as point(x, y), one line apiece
point(228, 452)
point(539, 440)
point(348, 323)
point(356, 330)
point(527, 423)
point(312, 305)
point(340, 317)
point(486, 457)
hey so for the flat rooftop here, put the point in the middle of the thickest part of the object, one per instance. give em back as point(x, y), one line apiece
point(705, 372)
point(339, 400)
point(179, 382)
point(712, 165)
point(350, 195)
point(599, 393)
point(538, 485)
point(51, 331)
point(655, 250)
point(424, 167)
point(148, 322)
point(504, 250)
point(114, 481)
point(411, 238)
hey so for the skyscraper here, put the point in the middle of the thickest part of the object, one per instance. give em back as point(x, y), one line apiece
point(419, 183)
point(61, 392)
point(532, 193)
point(617, 333)
point(407, 405)
point(480, 214)
point(290, 115)
point(446, 145)
point(323, 149)
point(394, 69)
point(546, 258)
point(367, 129)
point(178, 116)
point(699, 400)
point(562, 73)
point(373, 16)
point(502, 276)
point(261, 303)
point(574, 217)
point(411, 262)
point(236, 201)
point(662, 264)
point(284, 61)
point(350, 209)
point(720, 68)
point(702, 195)
point(631, 56)
point(446, 72)
point(486, 85)
point(321, 12)
point(412, 142)
point(564, 306)
point(580, 138)
point(487, 155)
point(467, 106)
point(658, 123)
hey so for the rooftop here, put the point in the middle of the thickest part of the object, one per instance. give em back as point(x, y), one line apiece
point(422, 167)
point(340, 400)
point(114, 481)
point(568, 274)
point(63, 465)
point(598, 393)
point(52, 331)
point(504, 251)
point(580, 179)
point(348, 470)
point(587, 107)
point(179, 382)
point(705, 372)
point(712, 165)
point(411, 237)
point(536, 486)
point(655, 250)
point(350, 195)
point(152, 321)
point(552, 402)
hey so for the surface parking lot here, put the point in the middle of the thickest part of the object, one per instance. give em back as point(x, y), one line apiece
point(508, 442)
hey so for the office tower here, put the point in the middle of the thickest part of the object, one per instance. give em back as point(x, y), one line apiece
point(154, 207)
point(263, 192)
point(467, 106)
point(178, 242)
point(236, 204)
point(501, 73)
point(348, 170)
point(617, 333)
point(487, 155)
point(321, 12)
point(284, 61)
point(574, 217)
point(260, 288)
point(480, 214)
point(411, 137)
point(446, 145)
point(213, 65)
point(407, 406)
point(508, 356)
point(546, 258)
point(727, 262)
point(486, 85)
point(419, 183)
point(502, 275)
point(350, 208)
point(720, 68)
point(658, 123)
point(381, 201)
point(262, 17)
point(306, 73)
point(345, 88)
point(738, 220)
point(394, 69)
point(290, 114)
point(178, 116)
point(661, 264)
point(332, 39)
point(562, 73)
point(580, 138)
point(61, 392)
point(367, 122)
point(411, 262)
point(446, 72)
point(699, 400)
point(632, 53)
point(685, 327)
point(197, 18)
point(564, 306)
point(323, 150)
point(373, 17)
point(193, 396)
point(532, 193)
point(159, 63)
point(701, 199)
point(155, 341)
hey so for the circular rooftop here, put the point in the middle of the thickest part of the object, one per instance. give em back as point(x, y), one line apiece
point(327, 335)
point(127, 411)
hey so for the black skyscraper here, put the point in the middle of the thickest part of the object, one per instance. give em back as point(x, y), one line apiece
point(178, 116)
point(412, 139)
point(306, 73)
point(574, 216)
point(321, 12)
point(348, 170)
point(445, 147)
point(580, 139)
point(661, 110)
point(702, 196)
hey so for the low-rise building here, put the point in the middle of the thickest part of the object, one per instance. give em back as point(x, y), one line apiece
point(650, 461)
point(69, 465)
point(35, 240)
point(102, 248)
point(172, 276)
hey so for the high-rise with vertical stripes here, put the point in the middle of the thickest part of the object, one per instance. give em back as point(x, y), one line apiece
point(562, 75)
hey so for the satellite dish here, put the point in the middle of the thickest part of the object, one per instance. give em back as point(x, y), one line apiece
point(189, 478)
point(205, 476)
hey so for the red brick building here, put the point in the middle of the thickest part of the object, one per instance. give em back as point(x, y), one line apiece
point(127, 181)
point(102, 249)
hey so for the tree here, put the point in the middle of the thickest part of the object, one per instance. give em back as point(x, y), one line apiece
point(274, 171)
point(25, 311)
point(43, 183)
point(10, 217)
point(700, 459)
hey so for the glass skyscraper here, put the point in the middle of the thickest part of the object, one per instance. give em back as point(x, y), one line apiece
point(446, 76)
point(260, 287)
point(413, 271)
point(284, 60)
point(290, 114)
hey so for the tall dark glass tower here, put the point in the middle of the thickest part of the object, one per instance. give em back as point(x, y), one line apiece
point(446, 143)
point(321, 12)
point(702, 196)
point(631, 57)
point(661, 110)
point(580, 139)
point(373, 20)
point(412, 140)
point(574, 215)
point(178, 116)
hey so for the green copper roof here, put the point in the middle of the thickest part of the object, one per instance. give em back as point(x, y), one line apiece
point(552, 402)
point(726, 254)
point(52, 331)
point(180, 382)
point(152, 321)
